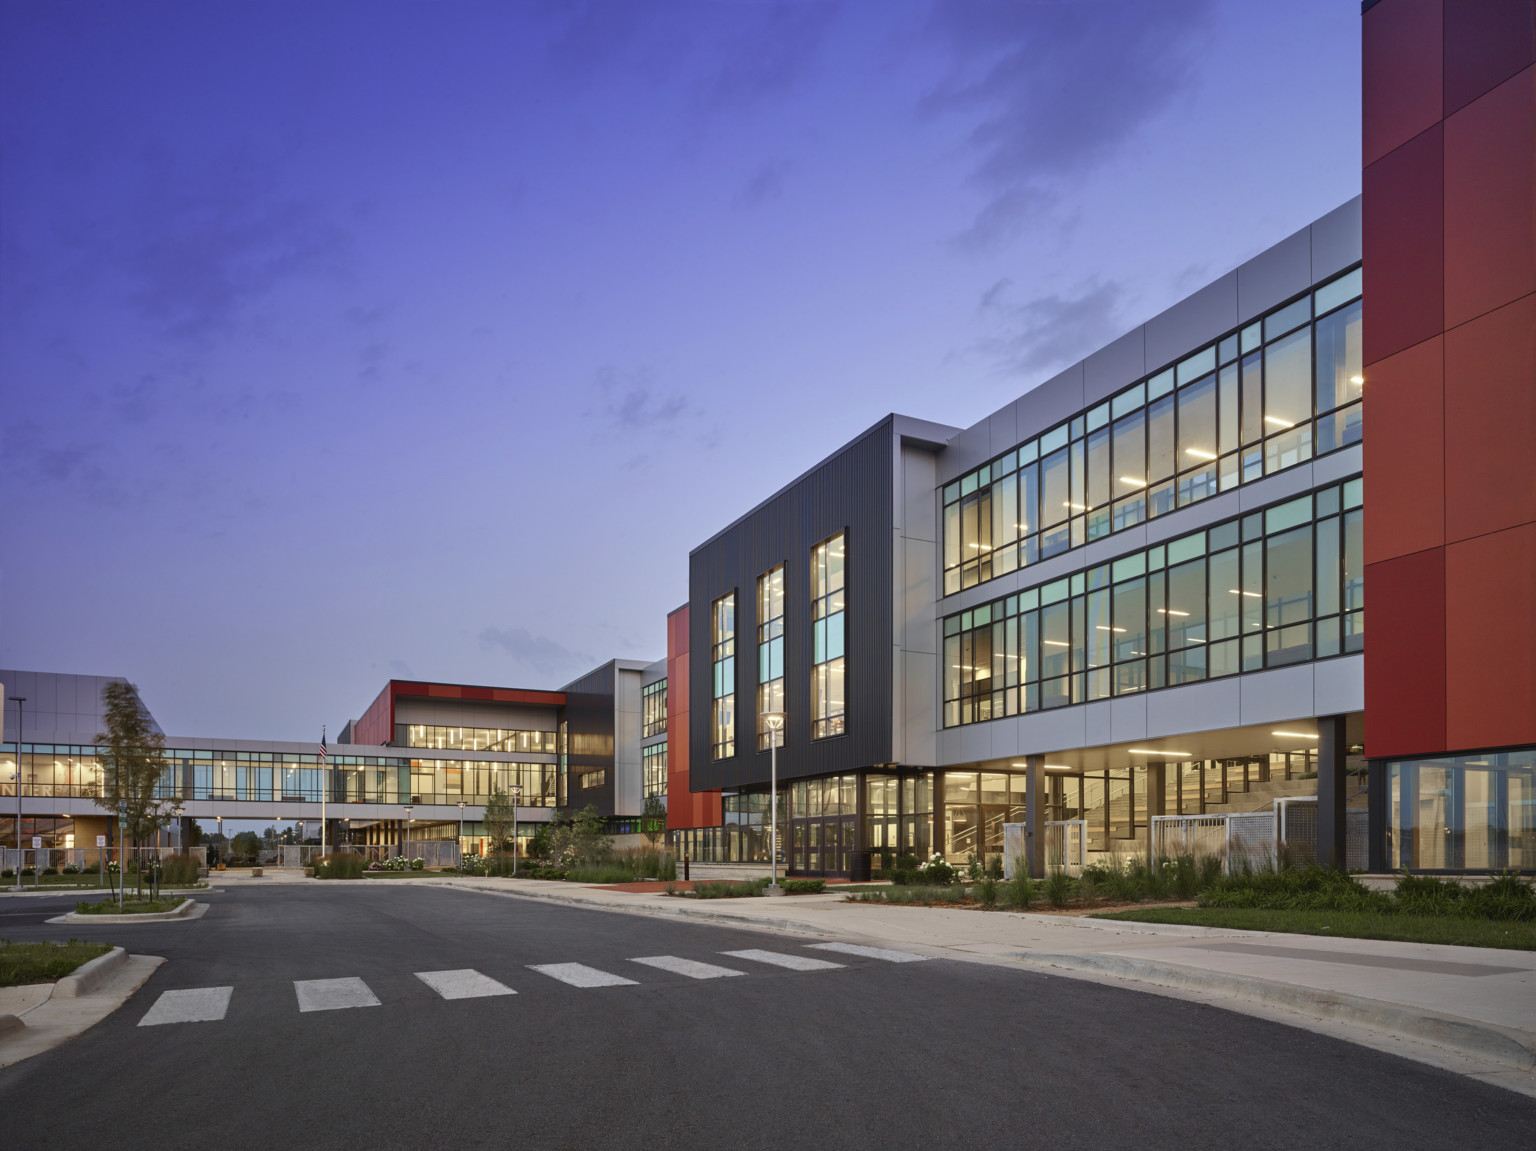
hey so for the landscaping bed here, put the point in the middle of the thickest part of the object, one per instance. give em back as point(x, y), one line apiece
point(23, 963)
point(128, 907)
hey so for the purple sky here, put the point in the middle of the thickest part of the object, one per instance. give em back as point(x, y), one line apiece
point(344, 341)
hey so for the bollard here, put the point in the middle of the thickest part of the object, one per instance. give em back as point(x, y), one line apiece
point(685, 867)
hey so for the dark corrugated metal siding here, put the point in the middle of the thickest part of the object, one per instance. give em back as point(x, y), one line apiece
point(589, 715)
point(851, 492)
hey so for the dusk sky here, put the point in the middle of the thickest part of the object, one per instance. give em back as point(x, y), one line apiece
point(342, 341)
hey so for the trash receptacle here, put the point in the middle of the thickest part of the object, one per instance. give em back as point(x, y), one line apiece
point(858, 867)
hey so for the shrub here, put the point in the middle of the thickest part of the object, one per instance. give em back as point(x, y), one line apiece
point(1058, 887)
point(911, 893)
point(727, 889)
point(71, 869)
point(984, 892)
point(1298, 889)
point(418, 864)
point(342, 865)
point(178, 870)
point(1507, 897)
point(906, 870)
point(803, 886)
point(936, 872)
point(1018, 892)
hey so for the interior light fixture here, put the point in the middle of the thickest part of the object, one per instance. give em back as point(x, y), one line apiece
point(1156, 751)
point(1296, 734)
point(1171, 611)
point(1101, 627)
point(1058, 767)
point(1276, 420)
point(1055, 642)
point(1134, 482)
point(1200, 453)
point(1078, 507)
point(1239, 591)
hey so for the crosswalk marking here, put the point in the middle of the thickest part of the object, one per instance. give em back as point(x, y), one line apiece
point(579, 975)
point(194, 1005)
point(692, 968)
point(466, 983)
point(333, 994)
point(780, 959)
point(884, 953)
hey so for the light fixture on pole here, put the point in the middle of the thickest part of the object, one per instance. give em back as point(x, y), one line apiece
point(517, 791)
point(774, 721)
point(21, 718)
point(461, 829)
point(404, 847)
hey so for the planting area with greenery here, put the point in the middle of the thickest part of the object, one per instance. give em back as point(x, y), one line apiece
point(746, 888)
point(1316, 901)
point(23, 963)
point(128, 907)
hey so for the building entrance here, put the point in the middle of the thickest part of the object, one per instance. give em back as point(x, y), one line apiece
point(821, 846)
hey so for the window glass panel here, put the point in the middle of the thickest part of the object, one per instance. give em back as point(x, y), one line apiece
point(1186, 604)
point(1345, 288)
point(1288, 596)
point(1128, 401)
point(1056, 495)
point(1340, 378)
point(1288, 381)
point(1160, 439)
point(1278, 323)
point(1197, 423)
point(1226, 620)
point(1130, 622)
point(1130, 454)
point(1098, 468)
point(1197, 365)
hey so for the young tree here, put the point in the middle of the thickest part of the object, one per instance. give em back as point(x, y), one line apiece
point(132, 756)
point(500, 820)
point(653, 819)
point(588, 843)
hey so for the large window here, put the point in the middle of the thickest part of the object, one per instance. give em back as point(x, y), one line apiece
point(828, 673)
point(722, 626)
point(653, 709)
point(1271, 395)
point(1271, 588)
point(473, 738)
point(770, 650)
point(653, 764)
point(1475, 812)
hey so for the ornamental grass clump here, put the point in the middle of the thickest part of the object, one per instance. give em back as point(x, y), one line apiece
point(1059, 887)
point(727, 889)
point(1297, 889)
point(1016, 893)
point(341, 865)
point(911, 893)
point(1507, 897)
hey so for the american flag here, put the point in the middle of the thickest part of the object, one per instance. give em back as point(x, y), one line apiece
point(322, 745)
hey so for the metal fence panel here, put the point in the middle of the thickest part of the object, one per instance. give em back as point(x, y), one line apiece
point(1066, 845)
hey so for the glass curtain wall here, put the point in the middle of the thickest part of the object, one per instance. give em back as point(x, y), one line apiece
point(653, 770)
point(827, 619)
point(770, 651)
point(473, 738)
point(1270, 588)
point(1468, 812)
point(653, 709)
point(723, 664)
point(1264, 398)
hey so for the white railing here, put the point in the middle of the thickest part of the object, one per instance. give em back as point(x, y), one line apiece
point(1066, 845)
point(1246, 840)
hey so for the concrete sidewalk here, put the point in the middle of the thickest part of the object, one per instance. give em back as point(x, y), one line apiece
point(1468, 1009)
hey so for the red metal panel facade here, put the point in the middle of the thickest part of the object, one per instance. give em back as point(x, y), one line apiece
point(685, 808)
point(1450, 352)
point(377, 725)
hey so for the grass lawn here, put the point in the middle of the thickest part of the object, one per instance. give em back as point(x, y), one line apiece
point(131, 907)
point(409, 874)
point(22, 963)
point(1519, 936)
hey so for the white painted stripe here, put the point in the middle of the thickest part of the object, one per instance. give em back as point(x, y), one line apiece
point(884, 953)
point(692, 968)
point(333, 994)
point(195, 1005)
point(579, 975)
point(466, 983)
point(779, 959)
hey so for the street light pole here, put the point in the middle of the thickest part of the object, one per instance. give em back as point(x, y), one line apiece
point(21, 719)
point(404, 847)
point(461, 834)
point(775, 723)
point(517, 791)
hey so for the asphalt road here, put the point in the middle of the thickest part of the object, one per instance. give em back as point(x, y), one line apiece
point(870, 1054)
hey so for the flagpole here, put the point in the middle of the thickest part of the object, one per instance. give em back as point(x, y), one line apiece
point(325, 787)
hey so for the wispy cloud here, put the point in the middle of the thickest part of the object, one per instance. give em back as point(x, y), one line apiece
point(1055, 86)
point(772, 48)
point(764, 185)
point(1050, 330)
point(537, 653)
point(630, 400)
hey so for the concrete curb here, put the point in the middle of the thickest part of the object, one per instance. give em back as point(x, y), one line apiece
point(682, 911)
point(184, 911)
point(1483, 1040)
point(89, 976)
point(9, 1023)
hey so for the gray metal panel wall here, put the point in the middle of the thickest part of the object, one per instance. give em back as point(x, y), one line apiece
point(852, 491)
point(589, 718)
